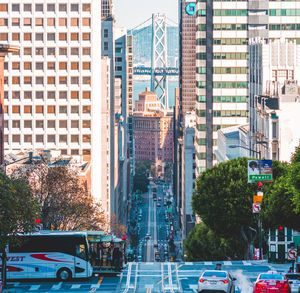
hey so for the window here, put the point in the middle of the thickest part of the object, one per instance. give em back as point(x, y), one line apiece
point(27, 21)
point(50, 36)
point(39, 21)
point(15, 37)
point(63, 7)
point(39, 138)
point(75, 95)
point(51, 65)
point(105, 46)
point(62, 65)
point(16, 138)
point(27, 80)
point(86, 65)
point(51, 51)
point(74, 124)
point(16, 95)
point(51, 123)
point(27, 51)
point(74, 7)
point(62, 36)
point(63, 138)
point(74, 80)
point(75, 51)
point(27, 7)
point(86, 138)
point(74, 152)
point(62, 22)
point(27, 95)
point(86, 51)
point(51, 95)
point(16, 124)
point(39, 37)
point(86, 36)
point(51, 7)
point(75, 109)
point(28, 124)
point(274, 130)
point(39, 123)
point(74, 65)
point(27, 109)
point(86, 152)
point(63, 95)
point(51, 80)
point(27, 138)
point(63, 109)
point(51, 21)
point(63, 124)
point(86, 7)
point(14, 21)
point(86, 109)
point(74, 21)
point(86, 21)
point(39, 7)
point(16, 65)
point(39, 94)
point(86, 124)
point(62, 80)
point(86, 95)
point(51, 110)
point(39, 109)
point(105, 33)
point(39, 80)
point(51, 138)
point(39, 51)
point(3, 36)
point(15, 7)
point(27, 36)
point(63, 51)
point(74, 138)
point(16, 109)
point(86, 80)
point(74, 36)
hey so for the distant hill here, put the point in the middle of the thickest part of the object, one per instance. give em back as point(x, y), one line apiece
point(142, 39)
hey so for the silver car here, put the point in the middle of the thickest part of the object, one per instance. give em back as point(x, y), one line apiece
point(216, 280)
point(294, 280)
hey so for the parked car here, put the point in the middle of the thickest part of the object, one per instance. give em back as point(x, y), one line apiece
point(148, 236)
point(294, 280)
point(215, 280)
point(271, 281)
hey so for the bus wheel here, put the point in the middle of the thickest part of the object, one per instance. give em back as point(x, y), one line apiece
point(64, 274)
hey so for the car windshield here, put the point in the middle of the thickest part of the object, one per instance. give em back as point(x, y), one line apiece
point(293, 276)
point(215, 274)
point(271, 277)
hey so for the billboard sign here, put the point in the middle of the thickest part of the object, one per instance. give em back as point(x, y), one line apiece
point(264, 174)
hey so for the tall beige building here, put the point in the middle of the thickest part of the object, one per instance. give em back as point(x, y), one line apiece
point(54, 84)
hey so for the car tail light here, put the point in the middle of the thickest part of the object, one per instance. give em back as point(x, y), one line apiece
point(260, 284)
point(286, 285)
point(202, 280)
point(224, 281)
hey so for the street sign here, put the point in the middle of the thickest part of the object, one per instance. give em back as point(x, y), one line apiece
point(256, 208)
point(260, 193)
point(38, 227)
point(257, 199)
point(261, 177)
point(292, 254)
point(260, 170)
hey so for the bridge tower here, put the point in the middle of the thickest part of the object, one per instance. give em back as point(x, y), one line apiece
point(159, 58)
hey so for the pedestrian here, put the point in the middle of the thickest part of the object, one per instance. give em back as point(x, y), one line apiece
point(291, 270)
point(116, 259)
point(218, 267)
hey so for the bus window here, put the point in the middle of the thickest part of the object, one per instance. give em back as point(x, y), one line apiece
point(81, 251)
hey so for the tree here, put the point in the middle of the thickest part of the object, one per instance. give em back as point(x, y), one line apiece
point(140, 179)
point(18, 212)
point(203, 244)
point(295, 178)
point(64, 201)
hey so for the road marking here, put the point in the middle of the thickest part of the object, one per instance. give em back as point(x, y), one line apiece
point(34, 287)
point(57, 286)
point(208, 263)
point(76, 286)
point(149, 286)
point(100, 280)
point(188, 263)
point(246, 263)
point(227, 263)
point(95, 286)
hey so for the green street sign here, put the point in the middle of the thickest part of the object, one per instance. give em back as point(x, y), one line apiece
point(169, 210)
point(261, 177)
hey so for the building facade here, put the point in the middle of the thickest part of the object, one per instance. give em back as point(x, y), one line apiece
point(153, 130)
point(223, 32)
point(54, 81)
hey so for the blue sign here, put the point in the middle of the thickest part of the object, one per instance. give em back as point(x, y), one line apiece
point(191, 9)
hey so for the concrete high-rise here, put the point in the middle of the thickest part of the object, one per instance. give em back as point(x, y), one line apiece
point(223, 32)
point(54, 84)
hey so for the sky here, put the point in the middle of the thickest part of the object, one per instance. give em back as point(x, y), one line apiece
point(131, 13)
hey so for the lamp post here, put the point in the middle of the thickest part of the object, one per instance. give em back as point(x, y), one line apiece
point(259, 167)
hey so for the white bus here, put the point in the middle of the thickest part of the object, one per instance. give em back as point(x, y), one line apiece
point(50, 254)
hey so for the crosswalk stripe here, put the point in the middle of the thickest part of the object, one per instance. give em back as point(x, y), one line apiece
point(188, 263)
point(75, 286)
point(208, 263)
point(96, 286)
point(57, 286)
point(246, 263)
point(34, 287)
point(227, 263)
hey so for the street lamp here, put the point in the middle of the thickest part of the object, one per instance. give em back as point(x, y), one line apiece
point(259, 164)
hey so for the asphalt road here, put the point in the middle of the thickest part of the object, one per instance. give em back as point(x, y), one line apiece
point(154, 277)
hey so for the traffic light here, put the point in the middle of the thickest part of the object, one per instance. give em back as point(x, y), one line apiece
point(259, 186)
point(37, 221)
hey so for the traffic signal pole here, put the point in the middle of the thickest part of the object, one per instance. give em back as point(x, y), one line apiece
point(259, 221)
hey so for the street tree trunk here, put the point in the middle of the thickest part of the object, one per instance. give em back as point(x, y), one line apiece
point(3, 269)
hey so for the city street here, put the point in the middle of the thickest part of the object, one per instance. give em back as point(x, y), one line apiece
point(152, 277)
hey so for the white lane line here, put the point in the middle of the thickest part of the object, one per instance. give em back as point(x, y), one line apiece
point(128, 278)
point(76, 286)
point(227, 263)
point(136, 276)
point(57, 286)
point(96, 286)
point(208, 263)
point(246, 263)
point(188, 263)
point(34, 287)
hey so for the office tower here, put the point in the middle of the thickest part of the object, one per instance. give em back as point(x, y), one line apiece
point(187, 52)
point(54, 82)
point(223, 32)
point(106, 9)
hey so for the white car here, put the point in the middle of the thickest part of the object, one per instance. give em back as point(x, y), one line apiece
point(294, 280)
point(216, 280)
